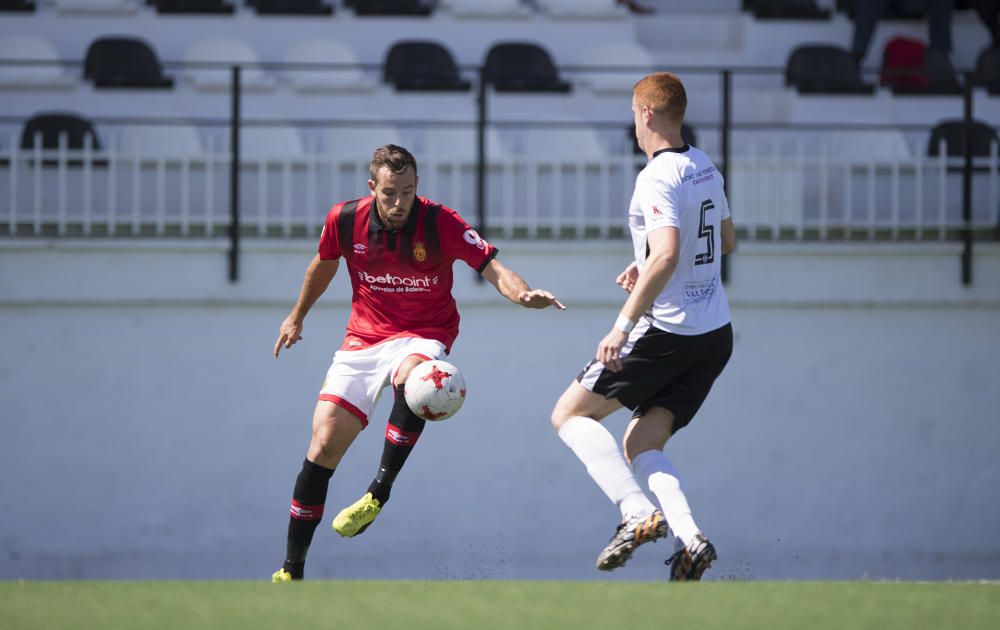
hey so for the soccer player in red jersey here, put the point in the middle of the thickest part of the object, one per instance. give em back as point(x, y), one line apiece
point(399, 250)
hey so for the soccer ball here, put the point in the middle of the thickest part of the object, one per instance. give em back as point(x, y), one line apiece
point(435, 390)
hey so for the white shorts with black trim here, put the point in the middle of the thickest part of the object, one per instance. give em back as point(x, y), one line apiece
point(356, 378)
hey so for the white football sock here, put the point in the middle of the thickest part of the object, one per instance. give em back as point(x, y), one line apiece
point(598, 450)
point(664, 481)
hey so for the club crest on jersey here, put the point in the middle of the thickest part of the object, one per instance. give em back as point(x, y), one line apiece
point(419, 252)
point(656, 212)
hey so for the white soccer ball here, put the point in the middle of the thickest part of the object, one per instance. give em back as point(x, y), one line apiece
point(435, 390)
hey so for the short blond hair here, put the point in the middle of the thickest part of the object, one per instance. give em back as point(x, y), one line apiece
point(664, 94)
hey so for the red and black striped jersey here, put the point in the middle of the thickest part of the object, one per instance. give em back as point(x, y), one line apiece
point(402, 279)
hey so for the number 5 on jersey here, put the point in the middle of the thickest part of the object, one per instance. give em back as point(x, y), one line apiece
point(706, 231)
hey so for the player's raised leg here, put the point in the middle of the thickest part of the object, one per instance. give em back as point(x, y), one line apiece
point(334, 429)
point(576, 418)
point(401, 434)
point(645, 438)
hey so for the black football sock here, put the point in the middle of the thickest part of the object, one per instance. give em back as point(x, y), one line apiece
point(401, 434)
point(305, 514)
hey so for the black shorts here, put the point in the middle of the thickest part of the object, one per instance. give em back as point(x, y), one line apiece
point(662, 369)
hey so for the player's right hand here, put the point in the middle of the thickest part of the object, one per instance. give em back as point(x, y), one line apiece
point(288, 334)
point(628, 278)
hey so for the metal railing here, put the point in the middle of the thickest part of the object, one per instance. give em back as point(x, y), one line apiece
point(793, 182)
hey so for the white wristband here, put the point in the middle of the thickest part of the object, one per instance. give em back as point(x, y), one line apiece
point(624, 324)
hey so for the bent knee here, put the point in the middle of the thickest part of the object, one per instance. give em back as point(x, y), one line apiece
point(558, 419)
point(561, 414)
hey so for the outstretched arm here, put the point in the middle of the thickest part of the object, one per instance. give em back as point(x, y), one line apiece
point(514, 288)
point(318, 277)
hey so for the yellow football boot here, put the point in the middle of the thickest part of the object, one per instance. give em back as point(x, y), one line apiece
point(355, 518)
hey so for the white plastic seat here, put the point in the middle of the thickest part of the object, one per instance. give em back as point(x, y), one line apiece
point(95, 6)
point(559, 144)
point(864, 146)
point(487, 8)
point(615, 53)
point(583, 8)
point(322, 80)
point(358, 142)
point(271, 144)
point(229, 51)
point(453, 143)
point(172, 141)
point(34, 49)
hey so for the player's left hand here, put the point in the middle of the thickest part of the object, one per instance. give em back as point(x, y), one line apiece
point(629, 277)
point(539, 298)
point(609, 351)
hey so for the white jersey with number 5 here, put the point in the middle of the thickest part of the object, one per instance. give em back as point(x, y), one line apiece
point(681, 188)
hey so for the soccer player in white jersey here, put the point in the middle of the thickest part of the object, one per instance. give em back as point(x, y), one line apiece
point(669, 343)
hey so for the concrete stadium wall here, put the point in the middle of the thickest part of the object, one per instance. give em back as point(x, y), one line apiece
point(147, 432)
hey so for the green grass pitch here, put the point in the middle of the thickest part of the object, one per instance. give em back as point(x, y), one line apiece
point(482, 605)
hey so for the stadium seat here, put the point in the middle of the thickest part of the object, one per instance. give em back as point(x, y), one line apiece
point(45, 72)
point(52, 125)
point(453, 143)
point(583, 8)
point(271, 143)
point(570, 143)
point(988, 70)
point(206, 7)
point(292, 7)
point(488, 8)
point(688, 135)
point(882, 146)
point(890, 12)
point(626, 54)
point(342, 78)
point(910, 67)
point(16, 6)
point(124, 62)
point(522, 67)
point(423, 66)
point(96, 6)
point(823, 69)
point(786, 9)
point(171, 141)
point(390, 7)
point(953, 134)
point(356, 142)
point(224, 50)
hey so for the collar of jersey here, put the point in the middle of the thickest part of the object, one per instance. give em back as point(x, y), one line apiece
point(375, 222)
point(673, 149)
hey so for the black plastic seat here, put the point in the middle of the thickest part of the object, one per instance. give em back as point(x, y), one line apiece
point(389, 7)
point(889, 13)
point(953, 133)
point(424, 66)
point(124, 62)
point(988, 70)
point(52, 125)
point(688, 135)
point(786, 10)
point(823, 69)
point(17, 6)
point(522, 67)
point(292, 7)
point(207, 7)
